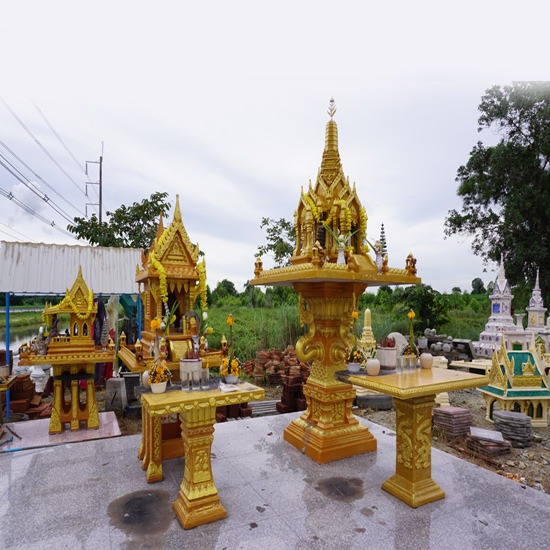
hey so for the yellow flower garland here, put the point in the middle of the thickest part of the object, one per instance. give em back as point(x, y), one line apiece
point(363, 221)
point(314, 210)
point(201, 268)
point(69, 300)
point(162, 275)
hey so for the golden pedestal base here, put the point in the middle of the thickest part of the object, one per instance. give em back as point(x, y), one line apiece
point(412, 482)
point(328, 430)
point(73, 411)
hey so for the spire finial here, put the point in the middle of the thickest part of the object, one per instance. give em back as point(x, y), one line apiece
point(331, 107)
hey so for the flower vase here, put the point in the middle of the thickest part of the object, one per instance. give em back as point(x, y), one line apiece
point(145, 379)
point(373, 367)
point(231, 379)
point(354, 367)
point(158, 387)
point(426, 360)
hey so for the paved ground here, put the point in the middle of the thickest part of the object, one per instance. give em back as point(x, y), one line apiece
point(94, 495)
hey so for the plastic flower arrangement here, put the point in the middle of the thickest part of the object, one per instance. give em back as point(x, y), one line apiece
point(159, 372)
point(356, 355)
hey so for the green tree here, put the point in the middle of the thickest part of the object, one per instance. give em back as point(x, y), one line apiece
point(478, 287)
point(132, 226)
point(505, 188)
point(280, 236)
point(223, 290)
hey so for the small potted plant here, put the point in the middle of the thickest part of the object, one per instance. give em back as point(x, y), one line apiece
point(159, 376)
point(355, 358)
point(387, 354)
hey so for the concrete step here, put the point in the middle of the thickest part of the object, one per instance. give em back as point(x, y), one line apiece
point(263, 408)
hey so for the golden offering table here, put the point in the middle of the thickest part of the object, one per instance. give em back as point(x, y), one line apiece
point(198, 502)
point(414, 398)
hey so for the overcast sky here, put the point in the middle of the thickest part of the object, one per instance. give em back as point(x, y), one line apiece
point(225, 104)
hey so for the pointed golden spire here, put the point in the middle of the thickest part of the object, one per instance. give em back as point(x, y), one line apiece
point(177, 211)
point(331, 165)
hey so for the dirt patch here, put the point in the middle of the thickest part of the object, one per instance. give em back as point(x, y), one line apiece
point(529, 466)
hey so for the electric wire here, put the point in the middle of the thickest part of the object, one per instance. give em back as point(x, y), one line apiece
point(58, 137)
point(22, 124)
point(37, 176)
point(33, 189)
point(9, 195)
point(26, 239)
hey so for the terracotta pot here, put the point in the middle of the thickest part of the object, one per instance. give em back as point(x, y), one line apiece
point(373, 367)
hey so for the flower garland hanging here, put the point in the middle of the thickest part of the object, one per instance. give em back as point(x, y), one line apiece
point(162, 275)
point(201, 268)
point(312, 206)
point(68, 300)
point(363, 221)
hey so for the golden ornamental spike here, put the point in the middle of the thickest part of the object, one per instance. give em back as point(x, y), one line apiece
point(331, 107)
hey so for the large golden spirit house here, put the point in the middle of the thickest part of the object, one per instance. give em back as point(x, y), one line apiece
point(331, 268)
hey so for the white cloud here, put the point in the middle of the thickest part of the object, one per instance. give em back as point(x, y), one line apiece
point(225, 104)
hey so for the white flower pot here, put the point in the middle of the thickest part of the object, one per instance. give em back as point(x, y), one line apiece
point(373, 367)
point(354, 367)
point(387, 357)
point(159, 387)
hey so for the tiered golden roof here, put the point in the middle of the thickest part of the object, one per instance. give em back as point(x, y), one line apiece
point(331, 232)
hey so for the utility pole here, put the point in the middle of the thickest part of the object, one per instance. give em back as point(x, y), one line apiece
point(99, 182)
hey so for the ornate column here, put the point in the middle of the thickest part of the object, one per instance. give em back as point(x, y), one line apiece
point(328, 430)
point(198, 502)
point(412, 482)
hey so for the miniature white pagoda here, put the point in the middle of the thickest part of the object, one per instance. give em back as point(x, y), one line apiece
point(501, 321)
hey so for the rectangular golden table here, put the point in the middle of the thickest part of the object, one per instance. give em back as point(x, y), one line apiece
point(198, 502)
point(414, 398)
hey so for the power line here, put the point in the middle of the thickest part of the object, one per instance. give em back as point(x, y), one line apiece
point(39, 144)
point(58, 137)
point(37, 176)
point(15, 231)
point(31, 187)
point(9, 195)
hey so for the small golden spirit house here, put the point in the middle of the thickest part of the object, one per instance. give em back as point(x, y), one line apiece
point(331, 268)
point(73, 357)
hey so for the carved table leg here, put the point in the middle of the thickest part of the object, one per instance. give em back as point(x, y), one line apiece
point(154, 449)
point(92, 420)
point(198, 502)
point(412, 482)
point(143, 444)
point(55, 419)
point(75, 405)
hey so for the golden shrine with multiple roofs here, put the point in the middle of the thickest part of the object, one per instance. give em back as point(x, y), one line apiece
point(330, 220)
point(330, 269)
point(170, 276)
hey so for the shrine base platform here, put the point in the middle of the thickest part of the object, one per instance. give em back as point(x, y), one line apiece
point(275, 497)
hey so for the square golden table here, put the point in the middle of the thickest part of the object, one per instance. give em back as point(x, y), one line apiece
point(198, 502)
point(414, 399)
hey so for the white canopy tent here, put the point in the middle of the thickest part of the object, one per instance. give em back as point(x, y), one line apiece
point(29, 268)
